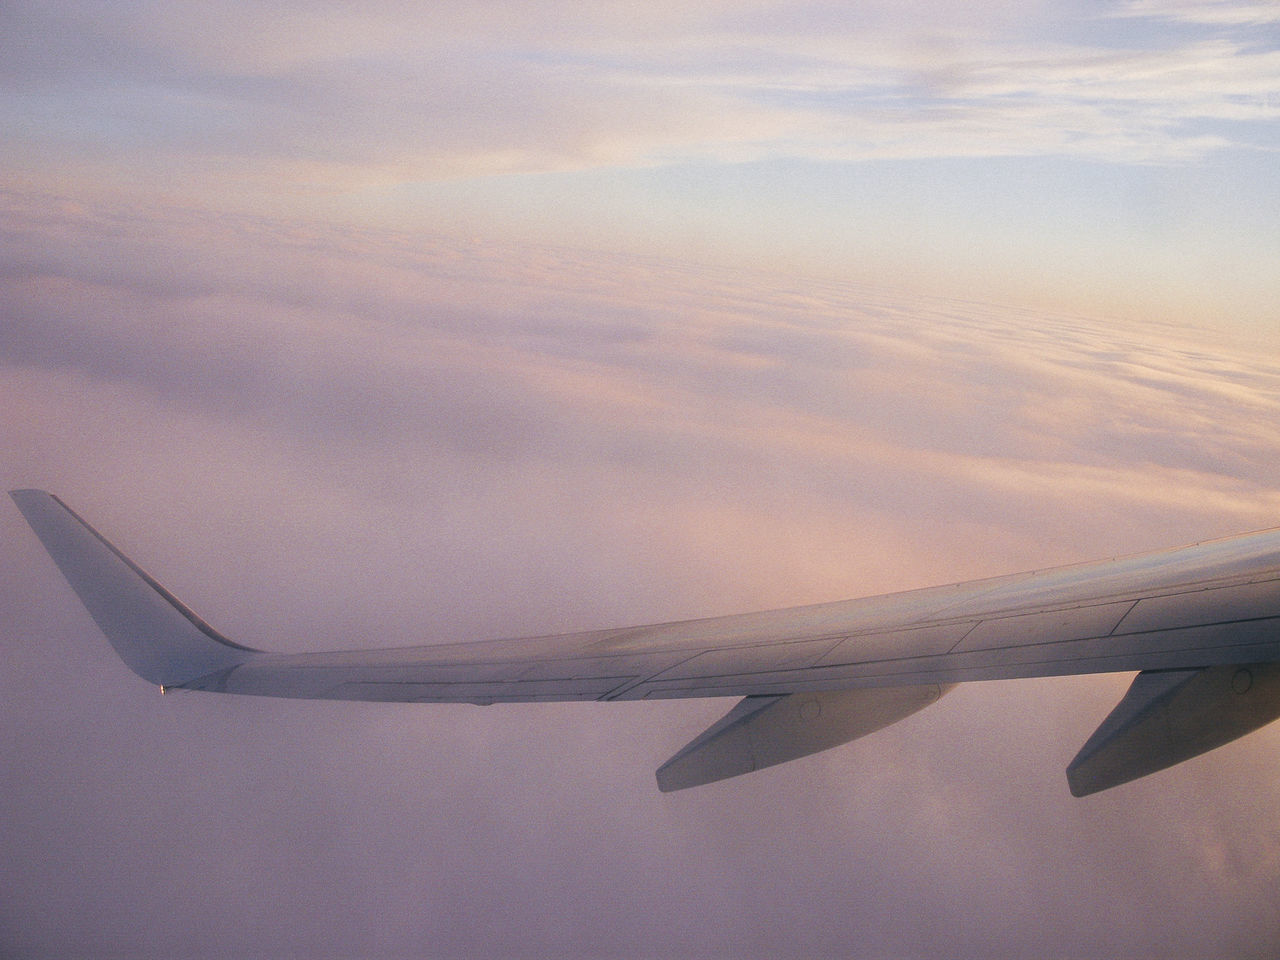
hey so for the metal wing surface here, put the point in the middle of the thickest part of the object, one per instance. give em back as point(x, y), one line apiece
point(805, 671)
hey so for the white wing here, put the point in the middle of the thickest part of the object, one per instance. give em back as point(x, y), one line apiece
point(1202, 623)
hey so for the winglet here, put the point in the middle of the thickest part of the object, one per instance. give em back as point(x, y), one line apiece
point(159, 638)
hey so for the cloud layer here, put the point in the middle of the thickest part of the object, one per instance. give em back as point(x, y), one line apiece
point(321, 437)
point(1112, 157)
point(329, 94)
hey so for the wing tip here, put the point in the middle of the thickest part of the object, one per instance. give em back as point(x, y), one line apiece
point(155, 634)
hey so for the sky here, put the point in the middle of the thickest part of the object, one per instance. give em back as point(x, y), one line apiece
point(1118, 158)
point(364, 327)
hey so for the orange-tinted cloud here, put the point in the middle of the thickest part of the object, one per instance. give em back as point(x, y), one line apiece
point(326, 437)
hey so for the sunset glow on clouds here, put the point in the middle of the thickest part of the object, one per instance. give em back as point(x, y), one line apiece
point(394, 324)
point(1118, 157)
point(329, 437)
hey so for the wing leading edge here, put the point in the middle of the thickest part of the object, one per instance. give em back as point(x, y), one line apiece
point(812, 676)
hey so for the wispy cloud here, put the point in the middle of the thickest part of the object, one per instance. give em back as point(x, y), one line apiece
point(335, 96)
point(326, 437)
point(1233, 13)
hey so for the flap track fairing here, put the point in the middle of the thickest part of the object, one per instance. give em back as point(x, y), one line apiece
point(762, 731)
point(1168, 716)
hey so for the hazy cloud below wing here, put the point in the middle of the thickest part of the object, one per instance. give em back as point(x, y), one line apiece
point(323, 438)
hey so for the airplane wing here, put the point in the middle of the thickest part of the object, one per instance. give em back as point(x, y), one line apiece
point(1201, 624)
